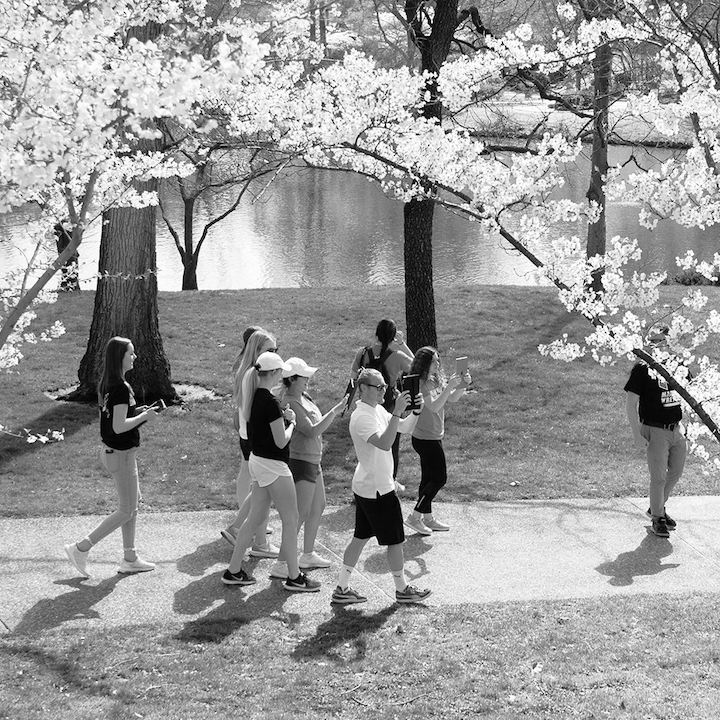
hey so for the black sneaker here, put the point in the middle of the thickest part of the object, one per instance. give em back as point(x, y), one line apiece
point(660, 528)
point(240, 578)
point(302, 583)
point(671, 524)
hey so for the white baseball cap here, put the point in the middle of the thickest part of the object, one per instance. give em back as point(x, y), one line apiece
point(298, 367)
point(270, 361)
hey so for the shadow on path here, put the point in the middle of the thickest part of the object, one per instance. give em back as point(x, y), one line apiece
point(414, 548)
point(232, 608)
point(75, 605)
point(646, 559)
point(204, 557)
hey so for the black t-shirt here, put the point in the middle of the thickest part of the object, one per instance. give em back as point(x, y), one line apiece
point(119, 394)
point(658, 403)
point(264, 410)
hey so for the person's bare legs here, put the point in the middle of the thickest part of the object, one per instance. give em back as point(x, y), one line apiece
point(259, 507)
point(243, 495)
point(124, 472)
point(311, 504)
point(282, 492)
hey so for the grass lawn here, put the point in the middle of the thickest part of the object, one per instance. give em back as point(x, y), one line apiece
point(633, 658)
point(534, 428)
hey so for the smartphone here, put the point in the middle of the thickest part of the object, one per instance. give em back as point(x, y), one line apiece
point(461, 365)
point(411, 383)
point(159, 405)
point(350, 393)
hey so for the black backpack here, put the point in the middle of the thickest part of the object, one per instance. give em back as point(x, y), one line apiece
point(377, 362)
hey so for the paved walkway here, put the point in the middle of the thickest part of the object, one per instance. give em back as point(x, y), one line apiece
point(495, 552)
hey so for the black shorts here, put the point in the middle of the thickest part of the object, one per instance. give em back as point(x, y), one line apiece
point(304, 470)
point(245, 448)
point(380, 517)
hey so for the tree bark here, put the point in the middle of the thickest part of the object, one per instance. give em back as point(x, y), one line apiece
point(69, 273)
point(126, 296)
point(126, 305)
point(419, 212)
point(597, 231)
point(189, 258)
point(419, 293)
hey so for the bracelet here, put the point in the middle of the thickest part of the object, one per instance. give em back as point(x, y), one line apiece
point(397, 416)
point(417, 413)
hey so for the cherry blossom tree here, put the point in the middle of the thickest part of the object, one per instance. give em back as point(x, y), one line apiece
point(79, 94)
point(359, 117)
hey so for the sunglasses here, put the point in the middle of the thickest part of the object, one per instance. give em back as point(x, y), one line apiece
point(377, 387)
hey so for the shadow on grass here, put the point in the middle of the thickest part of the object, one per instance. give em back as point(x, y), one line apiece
point(237, 608)
point(75, 605)
point(646, 559)
point(73, 417)
point(346, 627)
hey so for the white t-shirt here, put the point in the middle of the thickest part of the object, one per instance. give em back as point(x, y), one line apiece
point(374, 471)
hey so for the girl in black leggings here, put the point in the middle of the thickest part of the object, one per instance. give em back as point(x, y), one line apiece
point(428, 434)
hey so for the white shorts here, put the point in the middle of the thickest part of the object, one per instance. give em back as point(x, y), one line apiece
point(265, 471)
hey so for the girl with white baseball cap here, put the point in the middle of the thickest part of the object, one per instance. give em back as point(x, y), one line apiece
point(269, 431)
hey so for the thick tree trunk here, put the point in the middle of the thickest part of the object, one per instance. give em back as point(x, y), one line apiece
point(126, 305)
point(418, 213)
point(126, 295)
point(419, 292)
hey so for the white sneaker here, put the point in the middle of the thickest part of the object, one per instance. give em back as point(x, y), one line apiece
point(417, 525)
point(279, 570)
point(268, 550)
point(435, 525)
point(312, 560)
point(78, 558)
point(136, 566)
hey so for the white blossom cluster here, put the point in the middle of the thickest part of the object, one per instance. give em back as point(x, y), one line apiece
point(31, 436)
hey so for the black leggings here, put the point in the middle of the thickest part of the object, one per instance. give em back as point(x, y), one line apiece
point(433, 472)
point(396, 454)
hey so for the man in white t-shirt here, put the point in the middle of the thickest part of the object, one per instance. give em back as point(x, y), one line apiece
point(377, 506)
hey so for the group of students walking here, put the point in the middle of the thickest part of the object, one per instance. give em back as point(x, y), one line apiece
point(281, 457)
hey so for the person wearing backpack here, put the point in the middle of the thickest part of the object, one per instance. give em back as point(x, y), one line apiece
point(391, 356)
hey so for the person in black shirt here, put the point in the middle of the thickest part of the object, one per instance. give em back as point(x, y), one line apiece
point(654, 413)
point(120, 419)
point(269, 431)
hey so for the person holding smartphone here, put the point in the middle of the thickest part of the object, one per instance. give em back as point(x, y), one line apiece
point(428, 434)
point(120, 420)
point(377, 507)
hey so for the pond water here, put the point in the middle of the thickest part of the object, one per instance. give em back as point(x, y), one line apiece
point(320, 229)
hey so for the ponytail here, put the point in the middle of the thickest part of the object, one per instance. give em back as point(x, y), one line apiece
point(385, 333)
point(249, 386)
